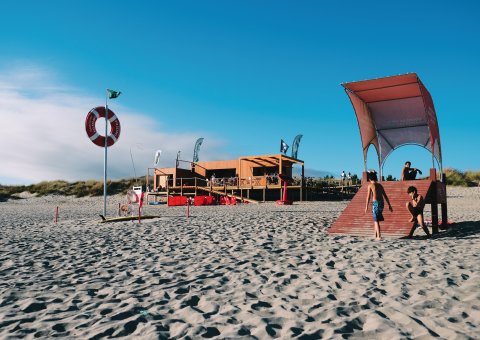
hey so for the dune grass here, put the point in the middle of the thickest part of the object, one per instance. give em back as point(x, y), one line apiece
point(464, 179)
point(77, 189)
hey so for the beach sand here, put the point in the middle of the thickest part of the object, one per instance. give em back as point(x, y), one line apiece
point(252, 271)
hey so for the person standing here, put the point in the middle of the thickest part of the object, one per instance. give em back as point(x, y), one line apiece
point(376, 193)
point(349, 179)
point(343, 177)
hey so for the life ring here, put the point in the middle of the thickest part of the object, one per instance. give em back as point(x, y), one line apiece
point(95, 137)
point(132, 197)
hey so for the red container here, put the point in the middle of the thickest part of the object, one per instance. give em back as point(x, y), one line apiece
point(203, 200)
point(177, 200)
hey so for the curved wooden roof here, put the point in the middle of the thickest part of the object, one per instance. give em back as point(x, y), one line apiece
point(394, 111)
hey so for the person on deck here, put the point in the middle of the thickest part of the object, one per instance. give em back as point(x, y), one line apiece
point(376, 193)
point(409, 173)
point(343, 176)
point(415, 207)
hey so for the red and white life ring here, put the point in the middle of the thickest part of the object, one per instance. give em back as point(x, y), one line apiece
point(132, 197)
point(95, 137)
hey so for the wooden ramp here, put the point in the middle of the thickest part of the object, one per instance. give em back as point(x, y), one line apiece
point(221, 193)
point(354, 221)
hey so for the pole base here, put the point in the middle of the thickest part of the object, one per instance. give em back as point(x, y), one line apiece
point(284, 202)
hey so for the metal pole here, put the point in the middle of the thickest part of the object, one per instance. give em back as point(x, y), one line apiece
point(105, 159)
point(133, 164)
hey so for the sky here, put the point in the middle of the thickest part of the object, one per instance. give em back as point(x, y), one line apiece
point(241, 74)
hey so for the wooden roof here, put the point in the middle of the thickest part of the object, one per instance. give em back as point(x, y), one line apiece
point(271, 160)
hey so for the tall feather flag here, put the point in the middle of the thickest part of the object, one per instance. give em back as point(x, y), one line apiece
point(283, 146)
point(113, 94)
point(157, 157)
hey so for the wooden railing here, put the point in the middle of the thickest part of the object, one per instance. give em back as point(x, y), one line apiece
point(229, 182)
point(257, 182)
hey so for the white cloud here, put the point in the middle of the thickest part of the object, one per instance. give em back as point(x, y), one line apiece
point(43, 134)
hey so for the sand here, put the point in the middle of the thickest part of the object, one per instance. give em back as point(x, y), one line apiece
point(245, 271)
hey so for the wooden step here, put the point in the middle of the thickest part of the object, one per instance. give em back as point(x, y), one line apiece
point(354, 221)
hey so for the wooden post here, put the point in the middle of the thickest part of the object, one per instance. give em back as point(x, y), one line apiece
point(364, 178)
point(146, 184)
point(302, 184)
point(280, 168)
point(434, 202)
point(444, 202)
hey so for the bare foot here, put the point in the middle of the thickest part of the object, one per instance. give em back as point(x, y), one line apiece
point(378, 238)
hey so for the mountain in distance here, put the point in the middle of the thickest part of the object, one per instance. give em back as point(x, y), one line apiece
point(312, 172)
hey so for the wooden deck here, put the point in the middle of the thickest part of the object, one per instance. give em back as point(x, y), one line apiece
point(252, 189)
point(354, 220)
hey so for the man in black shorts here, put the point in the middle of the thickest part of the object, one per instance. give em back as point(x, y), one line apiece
point(409, 173)
point(415, 207)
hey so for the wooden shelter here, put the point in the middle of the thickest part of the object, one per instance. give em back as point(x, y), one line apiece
point(393, 112)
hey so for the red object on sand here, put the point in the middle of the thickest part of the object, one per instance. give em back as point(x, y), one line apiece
point(140, 207)
point(284, 200)
point(177, 200)
point(203, 200)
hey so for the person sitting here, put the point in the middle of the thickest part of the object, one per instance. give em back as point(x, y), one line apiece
point(409, 173)
point(415, 207)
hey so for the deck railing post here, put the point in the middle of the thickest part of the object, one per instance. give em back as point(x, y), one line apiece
point(434, 201)
point(444, 202)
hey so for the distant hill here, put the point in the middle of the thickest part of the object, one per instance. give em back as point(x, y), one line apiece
point(312, 173)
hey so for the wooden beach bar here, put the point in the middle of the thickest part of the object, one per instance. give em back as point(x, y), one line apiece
point(248, 178)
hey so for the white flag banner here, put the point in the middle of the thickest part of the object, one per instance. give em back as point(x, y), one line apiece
point(157, 157)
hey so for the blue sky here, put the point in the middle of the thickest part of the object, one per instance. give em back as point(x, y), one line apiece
point(243, 75)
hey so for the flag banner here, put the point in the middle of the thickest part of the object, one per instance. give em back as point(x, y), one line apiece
point(113, 94)
point(157, 157)
point(283, 146)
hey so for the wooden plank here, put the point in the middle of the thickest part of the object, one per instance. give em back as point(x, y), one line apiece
point(223, 194)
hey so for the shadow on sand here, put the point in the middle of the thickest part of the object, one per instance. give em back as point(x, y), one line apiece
point(467, 229)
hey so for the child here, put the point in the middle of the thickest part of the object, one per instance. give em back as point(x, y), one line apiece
point(376, 192)
point(415, 207)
